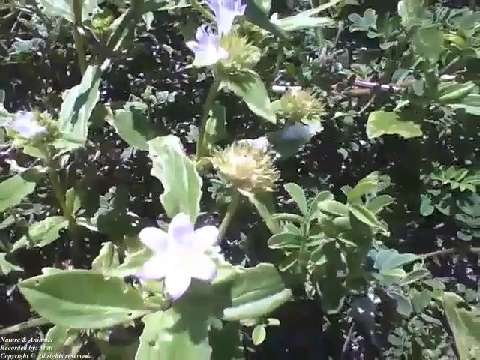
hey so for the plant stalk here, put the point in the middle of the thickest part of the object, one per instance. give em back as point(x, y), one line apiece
point(78, 36)
point(212, 94)
point(231, 210)
point(473, 250)
point(59, 191)
point(24, 325)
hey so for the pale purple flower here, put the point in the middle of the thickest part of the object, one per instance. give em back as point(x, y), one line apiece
point(179, 255)
point(207, 47)
point(26, 125)
point(225, 12)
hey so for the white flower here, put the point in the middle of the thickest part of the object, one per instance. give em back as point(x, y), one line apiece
point(207, 47)
point(225, 13)
point(179, 255)
point(26, 125)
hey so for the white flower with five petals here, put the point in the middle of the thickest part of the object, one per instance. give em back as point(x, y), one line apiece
point(179, 255)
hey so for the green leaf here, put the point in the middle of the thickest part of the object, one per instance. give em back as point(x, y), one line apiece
point(428, 43)
point(64, 8)
point(265, 5)
point(387, 259)
point(72, 201)
point(258, 334)
point(465, 325)
point(470, 103)
point(81, 299)
point(285, 240)
point(363, 23)
point(5, 116)
point(256, 14)
point(333, 207)
point(404, 306)
point(178, 174)
point(265, 208)
point(133, 126)
point(303, 20)
point(107, 260)
point(7, 267)
point(368, 218)
point(59, 340)
point(16, 188)
point(387, 123)
point(364, 187)
point(412, 12)
point(250, 87)
point(298, 195)
point(164, 5)
point(215, 128)
point(174, 335)
point(77, 107)
point(256, 292)
point(452, 91)
point(132, 263)
point(379, 203)
point(426, 206)
point(42, 233)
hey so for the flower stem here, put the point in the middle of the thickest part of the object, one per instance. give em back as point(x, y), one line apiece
point(58, 189)
point(24, 325)
point(232, 208)
point(470, 249)
point(78, 36)
point(212, 94)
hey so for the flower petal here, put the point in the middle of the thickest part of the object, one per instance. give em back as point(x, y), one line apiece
point(26, 125)
point(203, 268)
point(154, 238)
point(205, 237)
point(155, 268)
point(180, 230)
point(177, 282)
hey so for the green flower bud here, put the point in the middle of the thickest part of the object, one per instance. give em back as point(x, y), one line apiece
point(241, 54)
point(300, 106)
point(246, 167)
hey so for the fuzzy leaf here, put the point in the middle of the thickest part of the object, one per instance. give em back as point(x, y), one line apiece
point(428, 43)
point(64, 8)
point(133, 126)
point(387, 123)
point(178, 174)
point(17, 187)
point(298, 195)
point(465, 325)
point(174, 334)
point(7, 267)
point(256, 292)
point(42, 233)
point(250, 87)
point(81, 299)
point(77, 107)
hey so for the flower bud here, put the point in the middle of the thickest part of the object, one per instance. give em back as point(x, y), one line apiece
point(300, 106)
point(246, 167)
point(241, 54)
